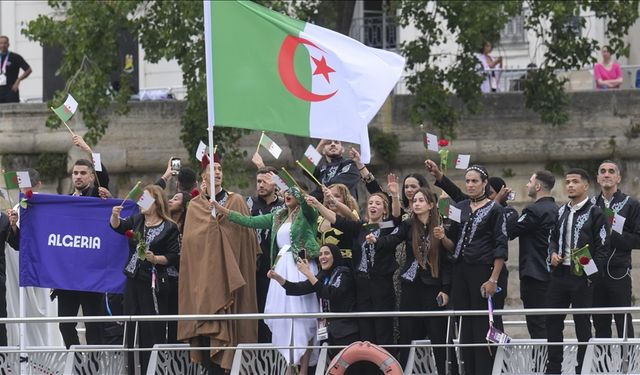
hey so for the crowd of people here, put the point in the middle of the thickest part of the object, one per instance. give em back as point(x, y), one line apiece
point(312, 250)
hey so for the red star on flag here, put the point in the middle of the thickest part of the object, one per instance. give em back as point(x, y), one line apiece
point(322, 68)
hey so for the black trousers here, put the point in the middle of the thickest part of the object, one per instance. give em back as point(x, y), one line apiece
point(467, 279)
point(138, 300)
point(375, 294)
point(69, 301)
point(608, 292)
point(533, 293)
point(417, 296)
point(9, 96)
point(3, 312)
point(567, 290)
point(169, 294)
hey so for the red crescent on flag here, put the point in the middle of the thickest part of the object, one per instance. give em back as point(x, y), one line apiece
point(288, 73)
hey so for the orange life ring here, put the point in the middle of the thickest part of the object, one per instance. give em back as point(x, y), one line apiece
point(364, 351)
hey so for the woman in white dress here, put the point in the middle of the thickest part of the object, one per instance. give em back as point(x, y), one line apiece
point(295, 226)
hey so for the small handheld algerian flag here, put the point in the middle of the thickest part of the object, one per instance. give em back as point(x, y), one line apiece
point(11, 180)
point(202, 149)
point(582, 261)
point(618, 223)
point(135, 193)
point(280, 183)
point(288, 178)
point(448, 211)
point(23, 180)
point(68, 109)
point(382, 225)
point(270, 145)
point(310, 159)
point(610, 214)
point(462, 161)
point(146, 200)
point(97, 162)
point(431, 142)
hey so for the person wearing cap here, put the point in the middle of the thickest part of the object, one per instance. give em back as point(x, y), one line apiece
point(335, 288)
point(478, 247)
point(217, 273)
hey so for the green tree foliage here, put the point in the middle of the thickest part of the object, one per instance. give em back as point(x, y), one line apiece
point(470, 23)
point(88, 36)
point(87, 33)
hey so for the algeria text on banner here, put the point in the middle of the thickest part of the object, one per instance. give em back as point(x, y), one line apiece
point(66, 243)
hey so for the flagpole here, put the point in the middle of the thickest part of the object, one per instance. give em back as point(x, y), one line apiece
point(310, 174)
point(125, 198)
point(210, 104)
point(65, 124)
point(259, 142)
point(22, 314)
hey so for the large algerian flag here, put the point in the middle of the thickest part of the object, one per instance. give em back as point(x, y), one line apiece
point(270, 72)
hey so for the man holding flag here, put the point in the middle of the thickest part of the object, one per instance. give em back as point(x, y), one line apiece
point(333, 168)
point(580, 224)
point(614, 286)
point(217, 274)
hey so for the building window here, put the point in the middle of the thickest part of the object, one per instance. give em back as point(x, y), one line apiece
point(373, 26)
point(513, 32)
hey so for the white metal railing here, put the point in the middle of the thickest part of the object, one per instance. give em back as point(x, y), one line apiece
point(511, 79)
point(112, 357)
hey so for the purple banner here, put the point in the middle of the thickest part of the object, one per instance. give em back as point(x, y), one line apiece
point(66, 242)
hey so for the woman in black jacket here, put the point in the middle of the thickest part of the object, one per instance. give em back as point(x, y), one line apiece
point(154, 228)
point(373, 269)
point(335, 287)
point(478, 245)
point(426, 276)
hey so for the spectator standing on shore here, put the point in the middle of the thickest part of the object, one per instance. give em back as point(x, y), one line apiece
point(10, 65)
point(608, 74)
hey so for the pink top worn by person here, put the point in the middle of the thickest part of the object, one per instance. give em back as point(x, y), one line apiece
point(608, 74)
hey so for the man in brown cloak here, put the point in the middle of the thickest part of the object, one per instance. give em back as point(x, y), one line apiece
point(217, 274)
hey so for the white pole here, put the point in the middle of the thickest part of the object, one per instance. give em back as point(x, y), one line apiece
point(210, 103)
point(22, 308)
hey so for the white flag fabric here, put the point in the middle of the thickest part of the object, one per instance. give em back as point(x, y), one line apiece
point(462, 162)
point(146, 200)
point(618, 223)
point(23, 180)
point(97, 162)
point(202, 148)
point(432, 142)
point(455, 213)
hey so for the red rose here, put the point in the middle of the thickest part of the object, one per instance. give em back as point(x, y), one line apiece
point(195, 193)
point(129, 233)
point(443, 143)
point(584, 260)
point(28, 194)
